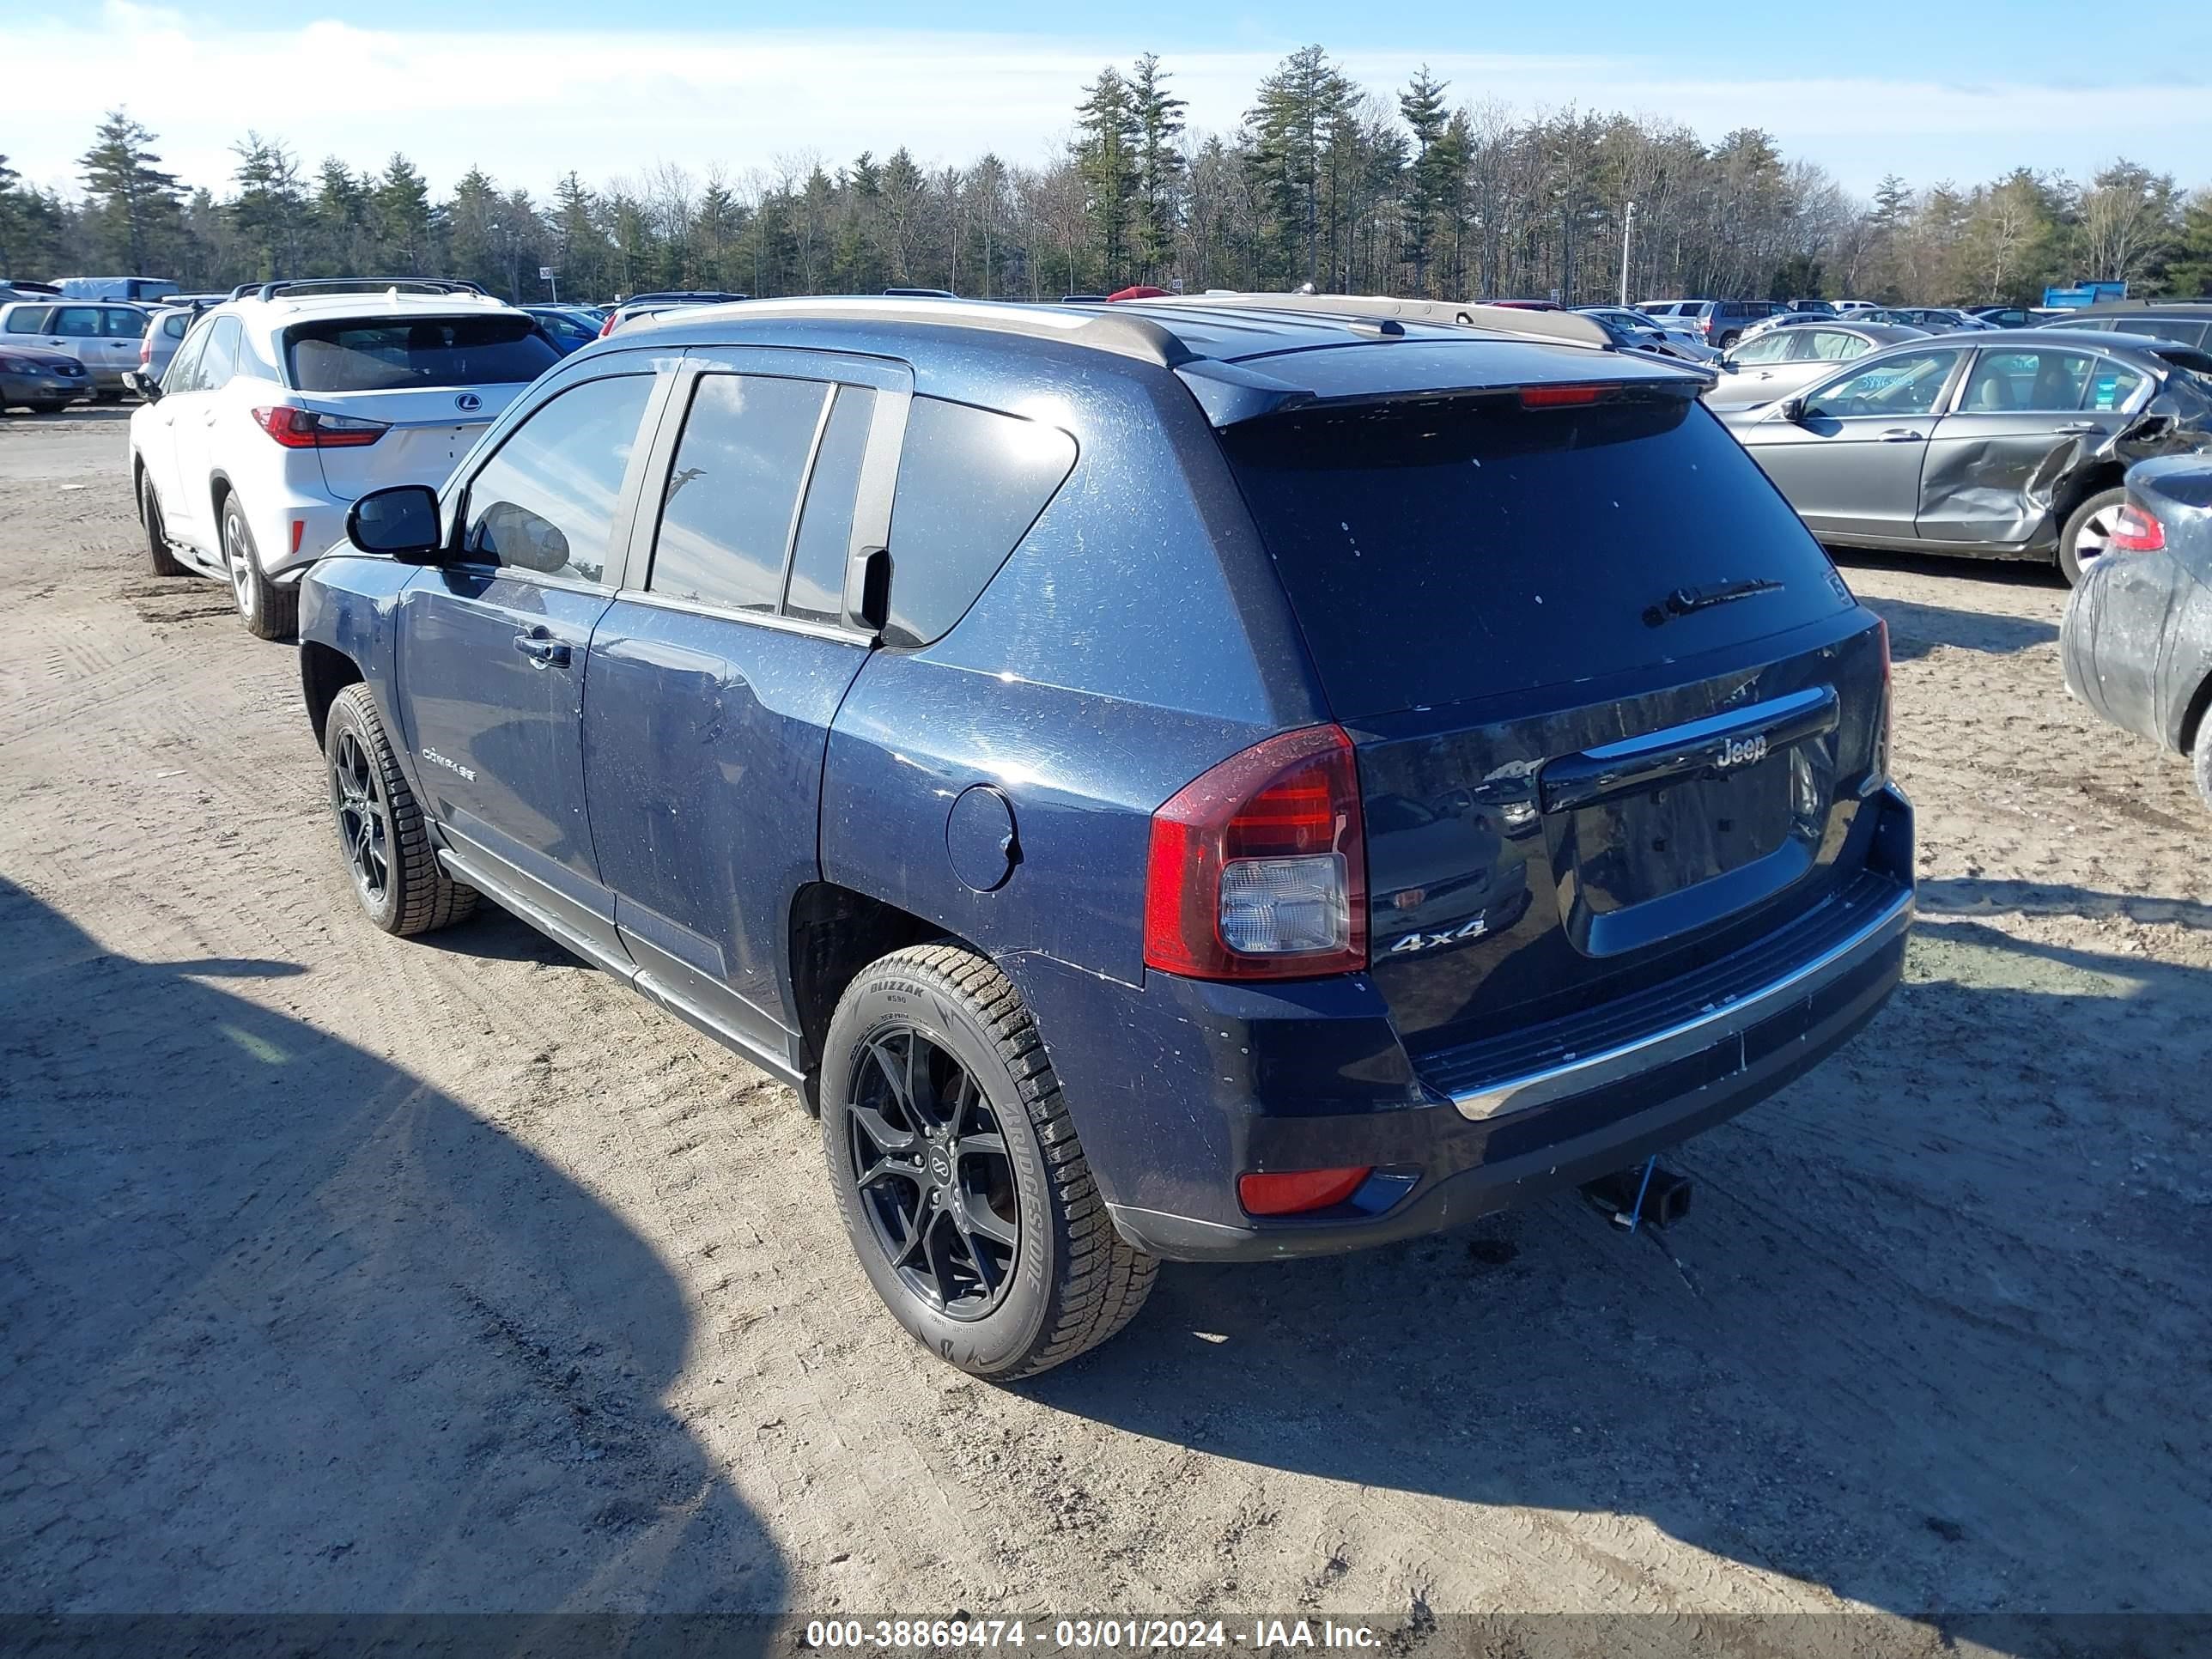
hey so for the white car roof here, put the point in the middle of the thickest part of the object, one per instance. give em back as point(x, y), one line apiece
point(266, 317)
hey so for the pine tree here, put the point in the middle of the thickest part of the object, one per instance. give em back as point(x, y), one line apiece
point(137, 204)
point(1105, 156)
point(1300, 114)
point(1428, 182)
point(399, 210)
point(1159, 118)
point(270, 209)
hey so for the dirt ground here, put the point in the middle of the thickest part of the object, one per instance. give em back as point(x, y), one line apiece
point(340, 1272)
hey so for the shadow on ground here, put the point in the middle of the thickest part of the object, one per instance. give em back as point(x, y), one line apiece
point(1931, 1339)
point(1915, 629)
point(287, 1330)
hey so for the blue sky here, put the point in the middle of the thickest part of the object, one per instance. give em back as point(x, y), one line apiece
point(1932, 91)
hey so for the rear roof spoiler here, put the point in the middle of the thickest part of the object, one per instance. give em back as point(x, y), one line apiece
point(304, 286)
point(1564, 327)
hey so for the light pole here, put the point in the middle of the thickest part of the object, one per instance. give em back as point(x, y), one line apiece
point(1627, 232)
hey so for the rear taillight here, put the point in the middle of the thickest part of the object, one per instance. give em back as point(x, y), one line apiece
point(608, 326)
point(1294, 1192)
point(310, 428)
point(1259, 868)
point(2137, 532)
point(146, 350)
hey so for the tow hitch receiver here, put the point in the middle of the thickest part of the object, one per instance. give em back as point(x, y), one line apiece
point(1644, 1193)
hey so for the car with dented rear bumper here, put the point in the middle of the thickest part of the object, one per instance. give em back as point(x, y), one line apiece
point(2136, 642)
point(1208, 780)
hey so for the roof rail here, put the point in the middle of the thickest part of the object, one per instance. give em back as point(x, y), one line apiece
point(1564, 328)
point(301, 287)
point(1103, 328)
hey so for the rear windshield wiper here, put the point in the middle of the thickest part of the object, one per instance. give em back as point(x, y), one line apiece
point(1685, 600)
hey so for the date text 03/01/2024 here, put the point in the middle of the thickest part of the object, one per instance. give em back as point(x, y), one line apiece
point(1077, 1635)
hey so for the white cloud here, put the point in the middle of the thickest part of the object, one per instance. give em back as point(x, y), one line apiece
point(528, 105)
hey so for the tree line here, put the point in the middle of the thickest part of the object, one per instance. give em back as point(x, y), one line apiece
point(1323, 182)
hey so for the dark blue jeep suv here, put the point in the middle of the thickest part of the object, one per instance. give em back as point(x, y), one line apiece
point(1204, 780)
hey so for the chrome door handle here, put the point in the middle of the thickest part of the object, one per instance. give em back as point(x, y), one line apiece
point(2077, 426)
point(1901, 435)
point(543, 650)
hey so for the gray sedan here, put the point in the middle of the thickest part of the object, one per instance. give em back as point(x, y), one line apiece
point(2004, 444)
point(1778, 362)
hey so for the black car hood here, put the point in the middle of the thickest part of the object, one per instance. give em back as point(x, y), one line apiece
point(45, 354)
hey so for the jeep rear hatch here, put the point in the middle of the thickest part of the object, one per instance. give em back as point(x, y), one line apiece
point(1613, 710)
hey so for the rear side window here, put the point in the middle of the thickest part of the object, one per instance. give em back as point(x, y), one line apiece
point(172, 325)
point(1459, 548)
point(77, 322)
point(400, 355)
point(28, 319)
point(732, 493)
point(971, 481)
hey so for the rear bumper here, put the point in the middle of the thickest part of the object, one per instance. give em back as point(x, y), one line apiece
point(2133, 643)
point(283, 557)
point(1207, 1083)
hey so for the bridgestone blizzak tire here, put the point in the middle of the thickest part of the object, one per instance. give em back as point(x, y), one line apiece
point(1076, 1281)
point(270, 611)
point(418, 895)
point(159, 559)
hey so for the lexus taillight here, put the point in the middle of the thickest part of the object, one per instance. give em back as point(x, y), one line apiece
point(310, 428)
point(1259, 867)
point(2137, 532)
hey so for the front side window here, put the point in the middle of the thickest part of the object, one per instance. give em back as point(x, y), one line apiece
point(121, 323)
point(1908, 385)
point(545, 502)
point(727, 511)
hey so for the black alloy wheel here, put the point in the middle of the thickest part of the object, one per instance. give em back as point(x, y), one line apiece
point(364, 816)
point(935, 1176)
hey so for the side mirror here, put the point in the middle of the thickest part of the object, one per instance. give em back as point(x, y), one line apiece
point(1793, 411)
point(400, 522)
point(146, 385)
point(1727, 364)
point(868, 589)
